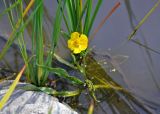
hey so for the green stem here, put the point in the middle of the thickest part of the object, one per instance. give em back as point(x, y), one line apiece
point(143, 20)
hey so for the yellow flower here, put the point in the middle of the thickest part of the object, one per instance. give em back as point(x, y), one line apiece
point(77, 42)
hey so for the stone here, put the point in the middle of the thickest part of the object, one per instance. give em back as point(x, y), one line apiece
point(31, 102)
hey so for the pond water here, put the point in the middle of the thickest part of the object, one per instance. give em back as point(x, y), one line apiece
point(139, 74)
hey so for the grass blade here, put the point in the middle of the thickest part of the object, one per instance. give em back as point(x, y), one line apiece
point(70, 14)
point(57, 25)
point(87, 19)
point(38, 37)
point(11, 88)
point(11, 38)
point(94, 14)
point(79, 23)
point(55, 36)
point(10, 8)
point(143, 20)
point(10, 13)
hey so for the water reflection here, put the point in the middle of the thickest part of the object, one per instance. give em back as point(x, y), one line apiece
point(111, 64)
point(118, 101)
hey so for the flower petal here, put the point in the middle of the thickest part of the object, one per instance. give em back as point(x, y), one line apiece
point(70, 44)
point(83, 42)
point(75, 35)
point(76, 51)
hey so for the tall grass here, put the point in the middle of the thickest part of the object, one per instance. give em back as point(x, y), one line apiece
point(36, 74)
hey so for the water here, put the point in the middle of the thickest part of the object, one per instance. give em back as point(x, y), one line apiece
point(140, 70)
point(111, 100)
point(124, 99)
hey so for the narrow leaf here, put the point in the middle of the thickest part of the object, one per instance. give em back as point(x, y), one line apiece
point(11, 88)
point(51, 91)
point(94, 14)
point(88, 16)
point(10, 8)
point(63, 73)
point(64, 61)
point(11, 38)
point(143, 20)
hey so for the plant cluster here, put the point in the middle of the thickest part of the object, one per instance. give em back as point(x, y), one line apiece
point(79, 17)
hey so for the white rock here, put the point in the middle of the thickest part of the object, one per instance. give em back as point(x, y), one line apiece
point(30, 102)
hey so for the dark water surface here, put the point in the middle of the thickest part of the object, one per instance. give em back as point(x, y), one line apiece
point(139, 74)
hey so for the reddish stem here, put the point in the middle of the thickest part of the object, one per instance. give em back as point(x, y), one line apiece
point(105, 19)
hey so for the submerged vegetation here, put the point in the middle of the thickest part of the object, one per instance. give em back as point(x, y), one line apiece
point(78, 17)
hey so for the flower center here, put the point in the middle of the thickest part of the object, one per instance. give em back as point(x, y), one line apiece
point(76, 44)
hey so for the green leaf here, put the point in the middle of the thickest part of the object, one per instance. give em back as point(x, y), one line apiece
point(63, 73)
point(57, 25)
point(55, 38)
point(64, 61)
point(81, 15)
point(94, 15)
point(88, 16)
point(51, 91)
point(38, 37)
point(15, 33)
point(69, 17)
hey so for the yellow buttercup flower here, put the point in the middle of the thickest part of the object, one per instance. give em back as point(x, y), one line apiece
point(77, 42)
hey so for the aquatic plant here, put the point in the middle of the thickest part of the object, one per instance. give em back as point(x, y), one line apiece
point(35, 74)
point(38, 64)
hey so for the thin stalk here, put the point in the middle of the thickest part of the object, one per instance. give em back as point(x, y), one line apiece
point(87, 19)
point(79, 23)
point(11, 38)
point(70, 13)
point(94, 15)
point(38, 36)
point(104, 20)
point(22, 46)
point(143, 20)
point(10, 13)
point(81, 27)
point(10, 8)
